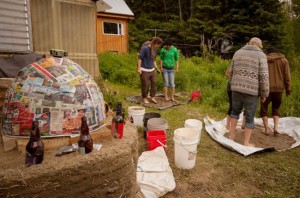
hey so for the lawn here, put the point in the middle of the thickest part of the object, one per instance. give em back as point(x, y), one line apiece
point(220, 172)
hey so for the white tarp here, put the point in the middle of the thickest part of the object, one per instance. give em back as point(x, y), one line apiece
point(217, 129)
point(154, 174)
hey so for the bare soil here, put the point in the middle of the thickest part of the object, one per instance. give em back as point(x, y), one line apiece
point(261, 140)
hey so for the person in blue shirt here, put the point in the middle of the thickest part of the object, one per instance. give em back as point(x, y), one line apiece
point(146, 67)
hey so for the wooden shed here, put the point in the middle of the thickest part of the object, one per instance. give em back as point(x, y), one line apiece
point(112, 26)
point(36, 26)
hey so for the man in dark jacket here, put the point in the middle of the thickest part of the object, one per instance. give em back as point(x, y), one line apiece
point(279, 80)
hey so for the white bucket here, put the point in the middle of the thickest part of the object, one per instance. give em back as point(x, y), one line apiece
point(136, 115)
point(185, 140)
point(195, 124)
point(157, 124)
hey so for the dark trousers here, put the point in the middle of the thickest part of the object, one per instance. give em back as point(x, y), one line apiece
point(275, 99)
point(145, 78)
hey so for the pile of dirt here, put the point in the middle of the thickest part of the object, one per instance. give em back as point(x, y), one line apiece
point(261, 140)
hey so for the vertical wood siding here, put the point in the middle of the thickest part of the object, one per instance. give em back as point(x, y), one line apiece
point(69, 25)
point(115, 43)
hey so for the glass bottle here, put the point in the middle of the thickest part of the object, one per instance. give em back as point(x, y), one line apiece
point(117, 125)
point(35, 146)
point(85, 142)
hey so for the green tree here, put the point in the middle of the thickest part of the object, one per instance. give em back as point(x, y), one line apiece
point(194, 22)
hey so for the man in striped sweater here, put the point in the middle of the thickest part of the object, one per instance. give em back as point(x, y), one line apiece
point(249, 79)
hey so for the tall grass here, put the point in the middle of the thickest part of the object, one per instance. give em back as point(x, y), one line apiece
point(206, 75)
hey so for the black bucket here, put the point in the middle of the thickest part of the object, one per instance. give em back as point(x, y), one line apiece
point(148, 116)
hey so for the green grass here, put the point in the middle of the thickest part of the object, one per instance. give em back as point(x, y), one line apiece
point(219, 172)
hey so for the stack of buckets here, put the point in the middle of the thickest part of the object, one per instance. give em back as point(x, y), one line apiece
point(185, 143)
point(156, 132)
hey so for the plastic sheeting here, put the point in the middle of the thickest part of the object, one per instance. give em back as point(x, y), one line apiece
point(154, 174)
point(217, 129)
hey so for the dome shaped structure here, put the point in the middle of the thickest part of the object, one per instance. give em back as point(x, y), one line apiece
point(55, 91)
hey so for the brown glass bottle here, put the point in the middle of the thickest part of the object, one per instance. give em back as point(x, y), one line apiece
point(85, 142)
point(35, 146)
point(117, 125)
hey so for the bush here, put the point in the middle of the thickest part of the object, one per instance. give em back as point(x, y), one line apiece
point(194, 74)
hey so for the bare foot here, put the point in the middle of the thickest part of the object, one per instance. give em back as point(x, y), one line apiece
point(266, 133)
point(145, 101)
point(167, 99)
point(276, 132)
point(232, 137)
point(153, 100)
point(173, 99)
point(250, 145)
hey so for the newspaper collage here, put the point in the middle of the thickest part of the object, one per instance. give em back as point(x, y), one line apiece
point(55, 91)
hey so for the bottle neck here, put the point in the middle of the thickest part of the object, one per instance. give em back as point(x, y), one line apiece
point(84, 128)
point(35, 133)
point(119, 109)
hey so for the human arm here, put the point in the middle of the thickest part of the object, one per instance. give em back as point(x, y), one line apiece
point(139, 70)
point(161, 65)
point(176, 60)
point(263, 77)
point(287, 78)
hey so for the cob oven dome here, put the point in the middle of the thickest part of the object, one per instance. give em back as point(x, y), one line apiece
point(55, 91)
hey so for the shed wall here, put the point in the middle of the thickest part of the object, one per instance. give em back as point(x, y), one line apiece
point(15, 26)
point(69, 25)
point(115, 43)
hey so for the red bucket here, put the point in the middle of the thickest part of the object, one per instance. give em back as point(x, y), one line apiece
point(195, 95)
point(155, 139)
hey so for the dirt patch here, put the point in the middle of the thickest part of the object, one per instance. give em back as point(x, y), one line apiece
point(278, 142)
point(180, 98)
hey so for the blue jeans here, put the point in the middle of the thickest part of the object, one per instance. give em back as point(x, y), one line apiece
point(169, 77)
point(246, 101)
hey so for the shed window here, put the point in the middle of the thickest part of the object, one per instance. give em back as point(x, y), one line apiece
point(113, 28)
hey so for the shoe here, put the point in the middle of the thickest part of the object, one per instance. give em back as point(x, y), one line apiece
point(145, 101)
point(153, 100)
point(276, 132)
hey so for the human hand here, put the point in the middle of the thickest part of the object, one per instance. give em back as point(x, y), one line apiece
point(157, 70)
point(262, 99)
point(139, 70)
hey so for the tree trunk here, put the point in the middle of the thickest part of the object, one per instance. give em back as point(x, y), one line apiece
point(180, 12)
